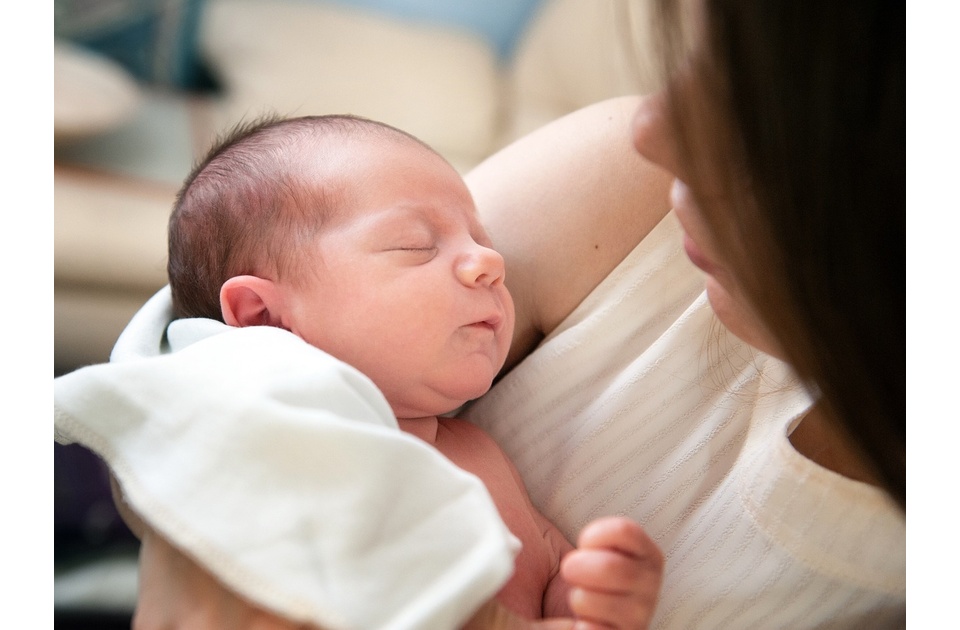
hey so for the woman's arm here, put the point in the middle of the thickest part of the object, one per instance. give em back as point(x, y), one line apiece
point(564, 205)
point(175, 592)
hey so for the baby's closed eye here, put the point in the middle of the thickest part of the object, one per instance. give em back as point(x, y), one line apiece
point(415, 253)
point(413, 248)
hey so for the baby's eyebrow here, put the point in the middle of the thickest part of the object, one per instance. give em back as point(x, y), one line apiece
point(393, 220)
point(432, 218)
point(426, 215)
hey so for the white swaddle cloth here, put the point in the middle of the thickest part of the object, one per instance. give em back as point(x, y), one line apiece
point(283, 471)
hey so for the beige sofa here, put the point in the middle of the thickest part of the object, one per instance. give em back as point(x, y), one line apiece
point(123, 146)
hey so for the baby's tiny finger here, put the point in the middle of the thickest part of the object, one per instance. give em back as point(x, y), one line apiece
point(620, 533)
point(611, 611)
point(606, 570)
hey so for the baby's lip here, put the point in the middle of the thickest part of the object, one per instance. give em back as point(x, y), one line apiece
point(492, 322)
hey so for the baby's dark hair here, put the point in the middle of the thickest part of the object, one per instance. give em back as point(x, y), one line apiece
point(247, 206)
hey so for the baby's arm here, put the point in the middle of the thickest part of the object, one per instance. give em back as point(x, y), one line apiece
point(611, 581)
point(614, 574)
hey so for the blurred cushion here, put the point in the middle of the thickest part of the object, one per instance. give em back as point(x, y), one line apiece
point(296, 58)
point(91, 93)
point(575, 53)
point(110, 230)
point(155, 40)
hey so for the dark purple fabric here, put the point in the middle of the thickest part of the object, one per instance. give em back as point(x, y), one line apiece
point(85, 518)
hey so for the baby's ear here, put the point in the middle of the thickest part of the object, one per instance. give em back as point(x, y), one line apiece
point(250, 301)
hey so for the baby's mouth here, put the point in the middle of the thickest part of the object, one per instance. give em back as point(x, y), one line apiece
point(491, 323)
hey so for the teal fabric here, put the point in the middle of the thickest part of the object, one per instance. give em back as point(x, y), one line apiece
point(501, 22)
point(155, 40)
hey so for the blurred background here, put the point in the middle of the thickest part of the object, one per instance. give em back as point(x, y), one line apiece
point(142, 87)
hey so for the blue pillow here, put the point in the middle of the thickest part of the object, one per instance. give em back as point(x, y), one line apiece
point(501, 22)
point(155, 40)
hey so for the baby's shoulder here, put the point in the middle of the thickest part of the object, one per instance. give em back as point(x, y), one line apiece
point(471, 448)
point(464, 428)
point(459, 433)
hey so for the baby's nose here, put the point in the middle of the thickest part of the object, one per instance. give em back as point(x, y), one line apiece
point(481, 266)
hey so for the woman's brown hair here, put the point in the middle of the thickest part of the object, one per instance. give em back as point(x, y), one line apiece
point(792, 116)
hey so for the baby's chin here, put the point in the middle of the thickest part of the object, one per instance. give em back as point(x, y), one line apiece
point(476, 389)
point(444, 401)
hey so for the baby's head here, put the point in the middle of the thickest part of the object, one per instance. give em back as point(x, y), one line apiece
point(358, 238)
point(245, 207)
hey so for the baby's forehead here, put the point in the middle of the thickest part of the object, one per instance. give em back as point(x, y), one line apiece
point(361, 135)
point(359, 159)
point(342, 156)
point(344, 170)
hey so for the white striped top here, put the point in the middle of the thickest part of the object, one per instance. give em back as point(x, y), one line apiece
point(640, 404)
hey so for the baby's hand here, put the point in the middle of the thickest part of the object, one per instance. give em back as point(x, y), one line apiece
point(614, 575)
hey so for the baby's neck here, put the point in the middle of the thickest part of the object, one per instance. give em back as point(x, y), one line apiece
point(423, 428)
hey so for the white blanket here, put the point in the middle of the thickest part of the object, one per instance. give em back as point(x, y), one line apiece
point(283, 471)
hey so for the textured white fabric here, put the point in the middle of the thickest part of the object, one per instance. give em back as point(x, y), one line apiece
point(284, 472)
point(640, 405)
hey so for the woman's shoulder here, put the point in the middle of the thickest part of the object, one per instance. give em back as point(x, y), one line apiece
point(564, 205)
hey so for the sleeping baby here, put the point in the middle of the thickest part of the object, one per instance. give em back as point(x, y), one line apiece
point(364, 242)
